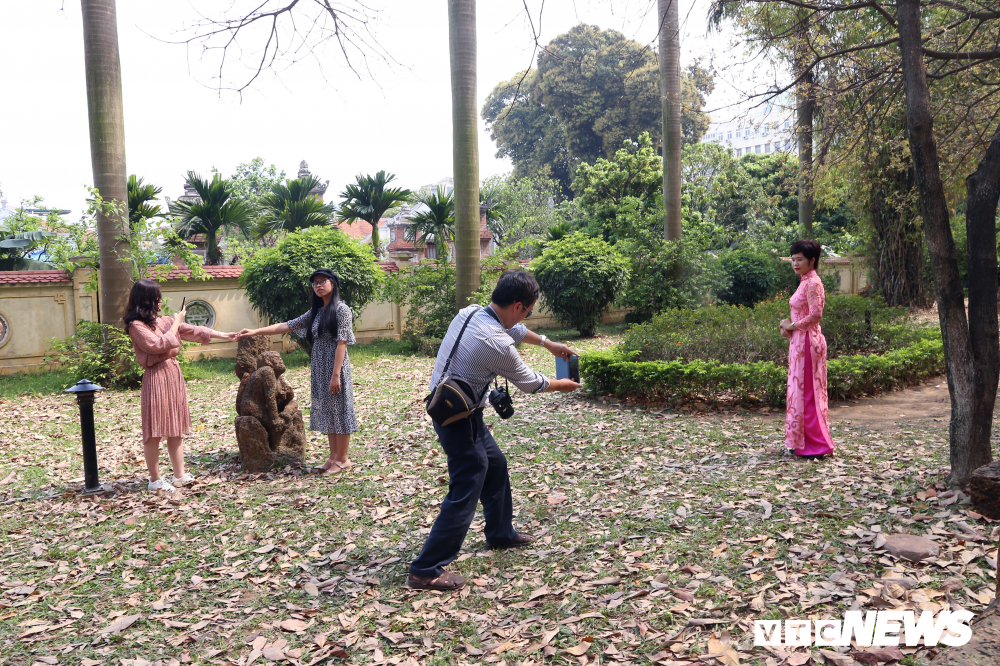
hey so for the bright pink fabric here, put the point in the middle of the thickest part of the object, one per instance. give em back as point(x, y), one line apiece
point(807, 421)
point(163, 398)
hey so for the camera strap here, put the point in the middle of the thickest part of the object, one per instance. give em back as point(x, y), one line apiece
point(447, 364)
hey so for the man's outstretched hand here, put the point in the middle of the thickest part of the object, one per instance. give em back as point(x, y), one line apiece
point(559, 349)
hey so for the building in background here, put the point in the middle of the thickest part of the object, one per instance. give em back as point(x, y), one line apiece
point(764, 129)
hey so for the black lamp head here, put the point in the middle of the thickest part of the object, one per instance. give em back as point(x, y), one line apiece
point(84, 386)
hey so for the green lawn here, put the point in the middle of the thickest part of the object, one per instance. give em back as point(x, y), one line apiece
point(655, 529)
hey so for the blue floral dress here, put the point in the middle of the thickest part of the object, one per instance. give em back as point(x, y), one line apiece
point(330, 414)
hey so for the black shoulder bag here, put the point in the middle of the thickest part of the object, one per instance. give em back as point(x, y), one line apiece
point(453, 398)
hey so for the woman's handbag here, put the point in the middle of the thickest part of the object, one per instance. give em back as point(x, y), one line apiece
point(453, 398)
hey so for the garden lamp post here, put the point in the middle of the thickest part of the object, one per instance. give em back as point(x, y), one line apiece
point(85, 390)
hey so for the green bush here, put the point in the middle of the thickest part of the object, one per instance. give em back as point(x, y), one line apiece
point(751, 277)
point(277, 280)
point(653, 285)
point(580, 277)
point(621, 373)
point(427, 290)
point(737, 334)
point(83, 356)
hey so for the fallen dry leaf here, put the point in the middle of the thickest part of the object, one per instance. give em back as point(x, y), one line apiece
point(584, 645)
point(293, 625)
point(119, 625)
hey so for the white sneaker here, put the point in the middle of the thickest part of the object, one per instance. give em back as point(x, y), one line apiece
point(183, 480)
point(161, 484)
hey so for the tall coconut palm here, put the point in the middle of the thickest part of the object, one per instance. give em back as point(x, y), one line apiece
point(289, 206)
point(214, 210)
point(465, 145)
point(107, 151)
point(437, 220)
point(140, 194)
point(368, 198)
point(670, 75)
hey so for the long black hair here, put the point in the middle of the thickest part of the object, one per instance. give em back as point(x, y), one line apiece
point(143, 303)
point(328, 315)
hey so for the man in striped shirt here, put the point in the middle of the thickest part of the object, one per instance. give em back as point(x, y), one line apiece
point(477, 468)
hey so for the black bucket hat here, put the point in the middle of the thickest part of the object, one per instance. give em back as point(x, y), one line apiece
point(326, 272)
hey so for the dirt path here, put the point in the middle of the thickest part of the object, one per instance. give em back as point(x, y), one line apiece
point(919, 404)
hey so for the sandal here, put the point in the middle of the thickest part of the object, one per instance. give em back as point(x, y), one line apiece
point(446, 582)
point(335, 468)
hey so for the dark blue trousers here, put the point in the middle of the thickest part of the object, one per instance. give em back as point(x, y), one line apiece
point(477, 471)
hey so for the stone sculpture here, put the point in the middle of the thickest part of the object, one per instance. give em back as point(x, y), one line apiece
point(269, 426)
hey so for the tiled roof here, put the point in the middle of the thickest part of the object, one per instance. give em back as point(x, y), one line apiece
point(33, 277)
point(181, 272)
point(236, 271)
point(360, 229)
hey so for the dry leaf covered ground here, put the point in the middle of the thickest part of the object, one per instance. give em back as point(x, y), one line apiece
point(661, 536)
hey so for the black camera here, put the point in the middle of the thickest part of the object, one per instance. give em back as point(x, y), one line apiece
point(500, 399)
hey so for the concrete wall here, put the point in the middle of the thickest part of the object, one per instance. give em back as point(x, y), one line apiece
point(36, 312)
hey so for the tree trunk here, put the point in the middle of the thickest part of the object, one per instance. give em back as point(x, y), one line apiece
point(972, 387)
point(894, 239)
point(375, 240)
point(465, 147)
point(805, 101)
point(107, 151)
point(670, 76)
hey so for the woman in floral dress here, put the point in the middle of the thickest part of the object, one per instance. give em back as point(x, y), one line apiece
point(807, 421)
point(328, 325)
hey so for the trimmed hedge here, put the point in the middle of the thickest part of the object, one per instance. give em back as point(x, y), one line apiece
point(617, 373)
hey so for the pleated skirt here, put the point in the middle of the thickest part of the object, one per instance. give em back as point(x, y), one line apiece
point(164, 401)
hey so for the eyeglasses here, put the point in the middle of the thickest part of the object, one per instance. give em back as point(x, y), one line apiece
point(317, 283)
point(529, 311)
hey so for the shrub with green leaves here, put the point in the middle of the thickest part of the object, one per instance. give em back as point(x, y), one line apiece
point(427, 291)
point(621, 372)
point(277, 280)
point(751, 277)
point(655, 283)
point(737, 334)
point(580, 277)
point(85, 356)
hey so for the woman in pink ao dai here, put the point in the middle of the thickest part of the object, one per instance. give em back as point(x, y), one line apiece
point(807, 421)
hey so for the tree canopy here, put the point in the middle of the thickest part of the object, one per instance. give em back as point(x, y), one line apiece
point(592, 90)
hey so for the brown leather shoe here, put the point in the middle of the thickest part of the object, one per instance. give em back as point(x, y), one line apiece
point(520, 541)
point(446, 582)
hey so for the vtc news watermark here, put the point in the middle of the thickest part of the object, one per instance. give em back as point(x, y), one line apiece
point(879, 628)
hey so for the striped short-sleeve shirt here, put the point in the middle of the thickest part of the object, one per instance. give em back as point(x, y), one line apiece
point(485, 351)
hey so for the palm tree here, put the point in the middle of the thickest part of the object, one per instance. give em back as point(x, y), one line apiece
point(438, 220)
point(670, 75)
point(214, 209)
point(289, 206)
point(107, 151)
point(139, 196)
point(368, 198)
point(465, 145)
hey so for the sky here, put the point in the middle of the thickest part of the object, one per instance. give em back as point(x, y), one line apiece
point(396, 116)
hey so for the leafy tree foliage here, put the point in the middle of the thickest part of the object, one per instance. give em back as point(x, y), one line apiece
point(592, 90)
point(521, 210)
point(140, 198)
point(436, 220)
point(580, 277)
point(276, 280)
point(290, 207)
point(252, 180)
point(53, 240)
point(368, 199)
point(215, 210)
